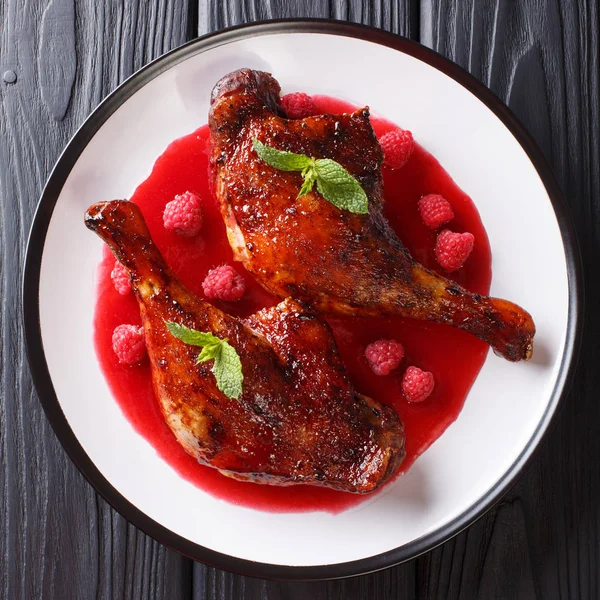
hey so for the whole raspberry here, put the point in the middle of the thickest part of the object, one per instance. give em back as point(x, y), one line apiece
point(435, 210)
point(129, 344)
point(183, 215)
point(417, 385)
point(384, 356)
point(224, 283)
point(120, 279)
point(453, 249)
point(397, 145)
point(298, 105)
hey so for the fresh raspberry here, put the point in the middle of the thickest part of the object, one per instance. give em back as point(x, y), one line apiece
point(129, 344)
point(417, 385)
point(298, 105)
point(224, 283)
point(397, 145)
point(384, 356)
point(435, 210)
point(120, 279)
point(183, 215)
point(453, 249)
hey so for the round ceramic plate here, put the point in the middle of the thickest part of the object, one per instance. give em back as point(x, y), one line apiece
point(510, 406)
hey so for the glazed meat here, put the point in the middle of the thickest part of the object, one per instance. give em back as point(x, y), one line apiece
point(298, 419)
point(339, 262)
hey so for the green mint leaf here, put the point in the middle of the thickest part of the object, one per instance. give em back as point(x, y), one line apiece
point(228, 371)
point(337, 186)
point(227, 367)
point(209, 352)
point(334, 183)
point(191, 336)
point(310, 176)
point(280, 159)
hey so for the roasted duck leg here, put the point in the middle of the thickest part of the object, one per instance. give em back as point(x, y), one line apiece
point(339, 262)
point(298, 419)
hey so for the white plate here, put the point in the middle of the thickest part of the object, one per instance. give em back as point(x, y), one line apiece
point(510, 406)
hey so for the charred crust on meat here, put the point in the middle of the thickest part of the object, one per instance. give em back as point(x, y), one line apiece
point(454, 290)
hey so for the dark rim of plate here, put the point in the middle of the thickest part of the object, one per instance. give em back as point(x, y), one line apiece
point(34, 342)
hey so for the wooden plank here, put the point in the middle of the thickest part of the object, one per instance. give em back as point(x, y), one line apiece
point(541, 58)
point(398, 16)
point(391, 584)
point(58, 59)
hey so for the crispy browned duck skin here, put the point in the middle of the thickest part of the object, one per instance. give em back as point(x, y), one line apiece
point(298, 419)
point(341, 263)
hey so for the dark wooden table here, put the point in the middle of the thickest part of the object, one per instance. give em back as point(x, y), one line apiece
point(58, 59)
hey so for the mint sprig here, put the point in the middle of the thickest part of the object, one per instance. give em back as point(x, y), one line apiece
point(333, 181)
point(227, 367)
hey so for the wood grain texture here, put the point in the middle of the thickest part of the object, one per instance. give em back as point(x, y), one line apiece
point(541, 58)
point(398, 16)
point(57, 538)
point(57, 57)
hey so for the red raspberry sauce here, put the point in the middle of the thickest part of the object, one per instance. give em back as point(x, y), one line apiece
point(454, 357)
